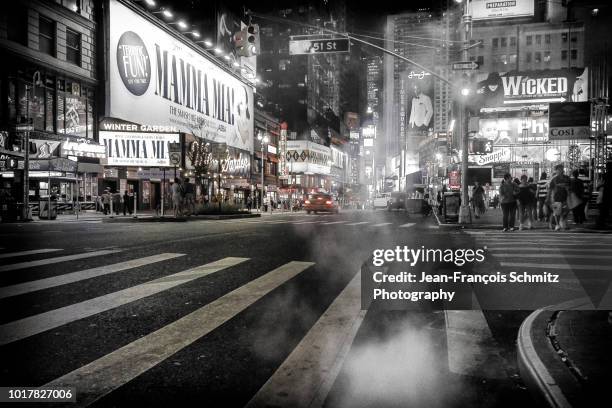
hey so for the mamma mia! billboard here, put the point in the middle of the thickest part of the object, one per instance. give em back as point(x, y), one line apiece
point(155, 79)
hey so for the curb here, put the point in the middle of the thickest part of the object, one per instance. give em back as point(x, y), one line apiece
point(532, 369)
point(179, 219)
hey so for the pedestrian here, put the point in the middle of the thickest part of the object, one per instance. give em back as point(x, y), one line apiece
point(116, 197)
point(507, 193)
point(189, 196)
point(249, 203)
point(478, 196)
point(526, 201)
point(126, 203)
point(177, 197)
point(604, 199)
point(541, 193)
point(534, 207)
point(575, 201)
point(106, 201)
point(558, 193)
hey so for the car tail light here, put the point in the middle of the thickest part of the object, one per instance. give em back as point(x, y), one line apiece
point(319, 198)
point(307, 202)
point(328, 202)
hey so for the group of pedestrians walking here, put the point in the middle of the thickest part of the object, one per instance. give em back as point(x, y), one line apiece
point(547, 201)
point(109, 203)
point(183, 197)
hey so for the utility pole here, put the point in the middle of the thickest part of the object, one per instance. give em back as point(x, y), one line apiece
point(464, 211)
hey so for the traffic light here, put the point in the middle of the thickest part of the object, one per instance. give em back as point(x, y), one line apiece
point(246, 41)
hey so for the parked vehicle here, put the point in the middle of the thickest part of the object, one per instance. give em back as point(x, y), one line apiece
point(397, 201)
point(320, 202)
point(381, 201)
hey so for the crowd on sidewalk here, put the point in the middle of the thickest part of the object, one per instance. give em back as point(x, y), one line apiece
point(549, 200)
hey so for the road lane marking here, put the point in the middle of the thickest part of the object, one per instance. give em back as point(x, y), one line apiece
point(554, 255)
point(110, 372)
point(335, 222)
point(31, 252)
point(54, 281)
point(306, 222)
point(382, 224)
point(471, 348)
point(410, 224)
point(49, 261)
point(359, 223)
point(29, 326)
point(307, 375)
point(556, 266)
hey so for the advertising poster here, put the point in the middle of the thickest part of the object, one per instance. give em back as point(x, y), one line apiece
point(494, 9)
point(156, 79)
point(308, 157)
point(137, 149)
point(202, 158)
point(531, 87)
point(416, 103)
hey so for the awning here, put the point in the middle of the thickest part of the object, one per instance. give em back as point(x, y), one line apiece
point(268, 156)
point(90, 168)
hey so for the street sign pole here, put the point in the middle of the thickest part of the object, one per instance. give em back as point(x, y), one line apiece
point(465, 217)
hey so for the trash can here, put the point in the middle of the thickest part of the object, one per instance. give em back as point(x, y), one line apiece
point(451, 204)
point(43, 210)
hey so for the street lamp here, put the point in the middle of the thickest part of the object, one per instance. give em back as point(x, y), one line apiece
point(465, 216)
point(263, 140)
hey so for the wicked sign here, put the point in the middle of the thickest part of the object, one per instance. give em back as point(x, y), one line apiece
point(527, 87)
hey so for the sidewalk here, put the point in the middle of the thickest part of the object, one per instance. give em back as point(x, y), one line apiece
point(142, 216)
point(492, 220)
point(564, 356)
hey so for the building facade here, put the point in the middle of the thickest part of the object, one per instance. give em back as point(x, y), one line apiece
point(416, 105)
point(49, 95)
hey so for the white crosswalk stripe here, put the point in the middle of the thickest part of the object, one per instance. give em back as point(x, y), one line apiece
point(552, 255)
point(359, 223)
point(39, 323)
point(108, 373)
point(30, 252)
point(408, 225)
point(471, 347)
point(548, 251)
point(542, 249)
point(552, 267)
point(49, 261)
point(306, 376)
point(335, 222)
point(40, 284)
point(382, 224)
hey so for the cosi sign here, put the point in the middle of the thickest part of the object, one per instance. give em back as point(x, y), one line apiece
point(156, 79)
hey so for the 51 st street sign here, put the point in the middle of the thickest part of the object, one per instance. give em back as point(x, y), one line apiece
point(318, 46)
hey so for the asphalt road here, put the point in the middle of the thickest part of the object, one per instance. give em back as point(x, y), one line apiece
point(220, 313)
